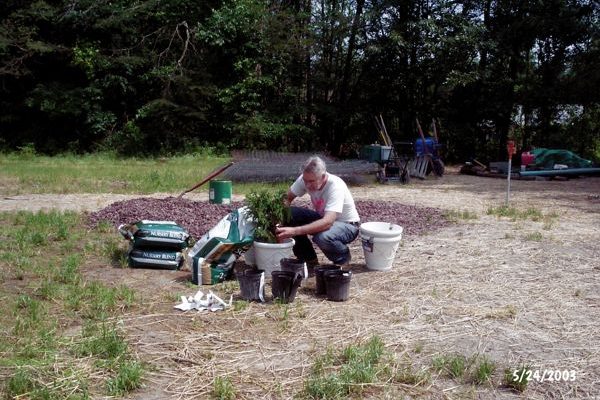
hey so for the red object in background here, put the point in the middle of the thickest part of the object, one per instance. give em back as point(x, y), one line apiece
point(510, 147)
point(527, 158)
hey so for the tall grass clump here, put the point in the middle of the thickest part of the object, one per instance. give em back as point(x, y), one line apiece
point(515, 214)
point(128, 378)
point(517, 379)
point(484, 370)
point(453, 366)
point(223, 389)
point(337, 375)
point(457, 215)
point(475, 369)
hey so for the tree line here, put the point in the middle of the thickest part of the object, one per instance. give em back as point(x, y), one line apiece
point(149, 77)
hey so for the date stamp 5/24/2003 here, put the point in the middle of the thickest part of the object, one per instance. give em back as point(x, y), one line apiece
point(543, 375)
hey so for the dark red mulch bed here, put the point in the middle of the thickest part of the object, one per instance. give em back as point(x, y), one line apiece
point(199, 216)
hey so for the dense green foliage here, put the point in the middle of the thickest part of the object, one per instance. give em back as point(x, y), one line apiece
point(156, 77)
point(268, 210)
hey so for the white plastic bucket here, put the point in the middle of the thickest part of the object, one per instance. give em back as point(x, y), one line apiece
point(386, 151)
point(268, 255)
point(250, 257)
point(379, 245)
point(380, 229)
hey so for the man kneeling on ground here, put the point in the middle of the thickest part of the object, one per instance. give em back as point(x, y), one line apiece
point(334, 222)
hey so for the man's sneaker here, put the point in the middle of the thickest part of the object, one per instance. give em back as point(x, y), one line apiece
point(346, 263)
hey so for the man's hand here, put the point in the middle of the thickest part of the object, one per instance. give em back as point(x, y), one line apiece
point(320, 225)
point(285, 232)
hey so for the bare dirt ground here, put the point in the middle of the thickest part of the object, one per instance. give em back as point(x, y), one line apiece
point(519, 292)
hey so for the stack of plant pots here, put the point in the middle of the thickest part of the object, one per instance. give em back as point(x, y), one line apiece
point(333, 282)
point(285, 281)
point(252, 284)
point(155, 244)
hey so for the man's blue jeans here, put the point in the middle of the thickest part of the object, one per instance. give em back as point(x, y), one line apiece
point(332, 242)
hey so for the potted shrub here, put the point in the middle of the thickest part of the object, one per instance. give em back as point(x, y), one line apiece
point(267, 209)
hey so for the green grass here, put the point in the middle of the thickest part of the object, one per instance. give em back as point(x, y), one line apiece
point(104, 173)
point(483, 371)
point(338, 375)
point(517, 379)
point(509, 311)
point(476, 369)
point(240, 305)
point(223, 389)
point(227, 287)
point(516, 214)
point(282, 313)
point(99, 173)
point(102, 340)
point(548, 220)
point(460, 215)
point(44, 293)
point(128, 378)
point(533, 237)
point(453, 366)
point(408, 375)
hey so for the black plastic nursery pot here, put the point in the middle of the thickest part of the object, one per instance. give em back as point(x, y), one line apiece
point(284, 285)
point(320, 279)
point(337, 285)
point(252, 284)
point(294, 265)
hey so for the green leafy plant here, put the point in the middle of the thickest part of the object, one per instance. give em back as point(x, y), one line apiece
point(268, 210)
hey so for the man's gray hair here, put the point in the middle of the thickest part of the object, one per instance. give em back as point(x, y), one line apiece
point(314, 165)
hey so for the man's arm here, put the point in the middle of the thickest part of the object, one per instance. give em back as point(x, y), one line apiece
point(290, 197)
point(319, 225)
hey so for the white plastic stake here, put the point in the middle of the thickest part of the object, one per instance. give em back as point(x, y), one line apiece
point(508, 180)
point(510, 148)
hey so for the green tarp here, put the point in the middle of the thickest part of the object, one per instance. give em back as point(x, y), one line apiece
point(547, 158)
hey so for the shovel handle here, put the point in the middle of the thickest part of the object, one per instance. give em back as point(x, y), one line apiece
point(209, 177)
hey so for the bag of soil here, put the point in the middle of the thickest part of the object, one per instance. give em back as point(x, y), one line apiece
point(215, 252)
point(161, 259)
point(147, 234)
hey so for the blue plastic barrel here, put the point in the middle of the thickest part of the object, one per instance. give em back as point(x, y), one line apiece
point(420, 149)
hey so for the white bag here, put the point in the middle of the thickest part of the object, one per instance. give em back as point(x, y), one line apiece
point(217, 248)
